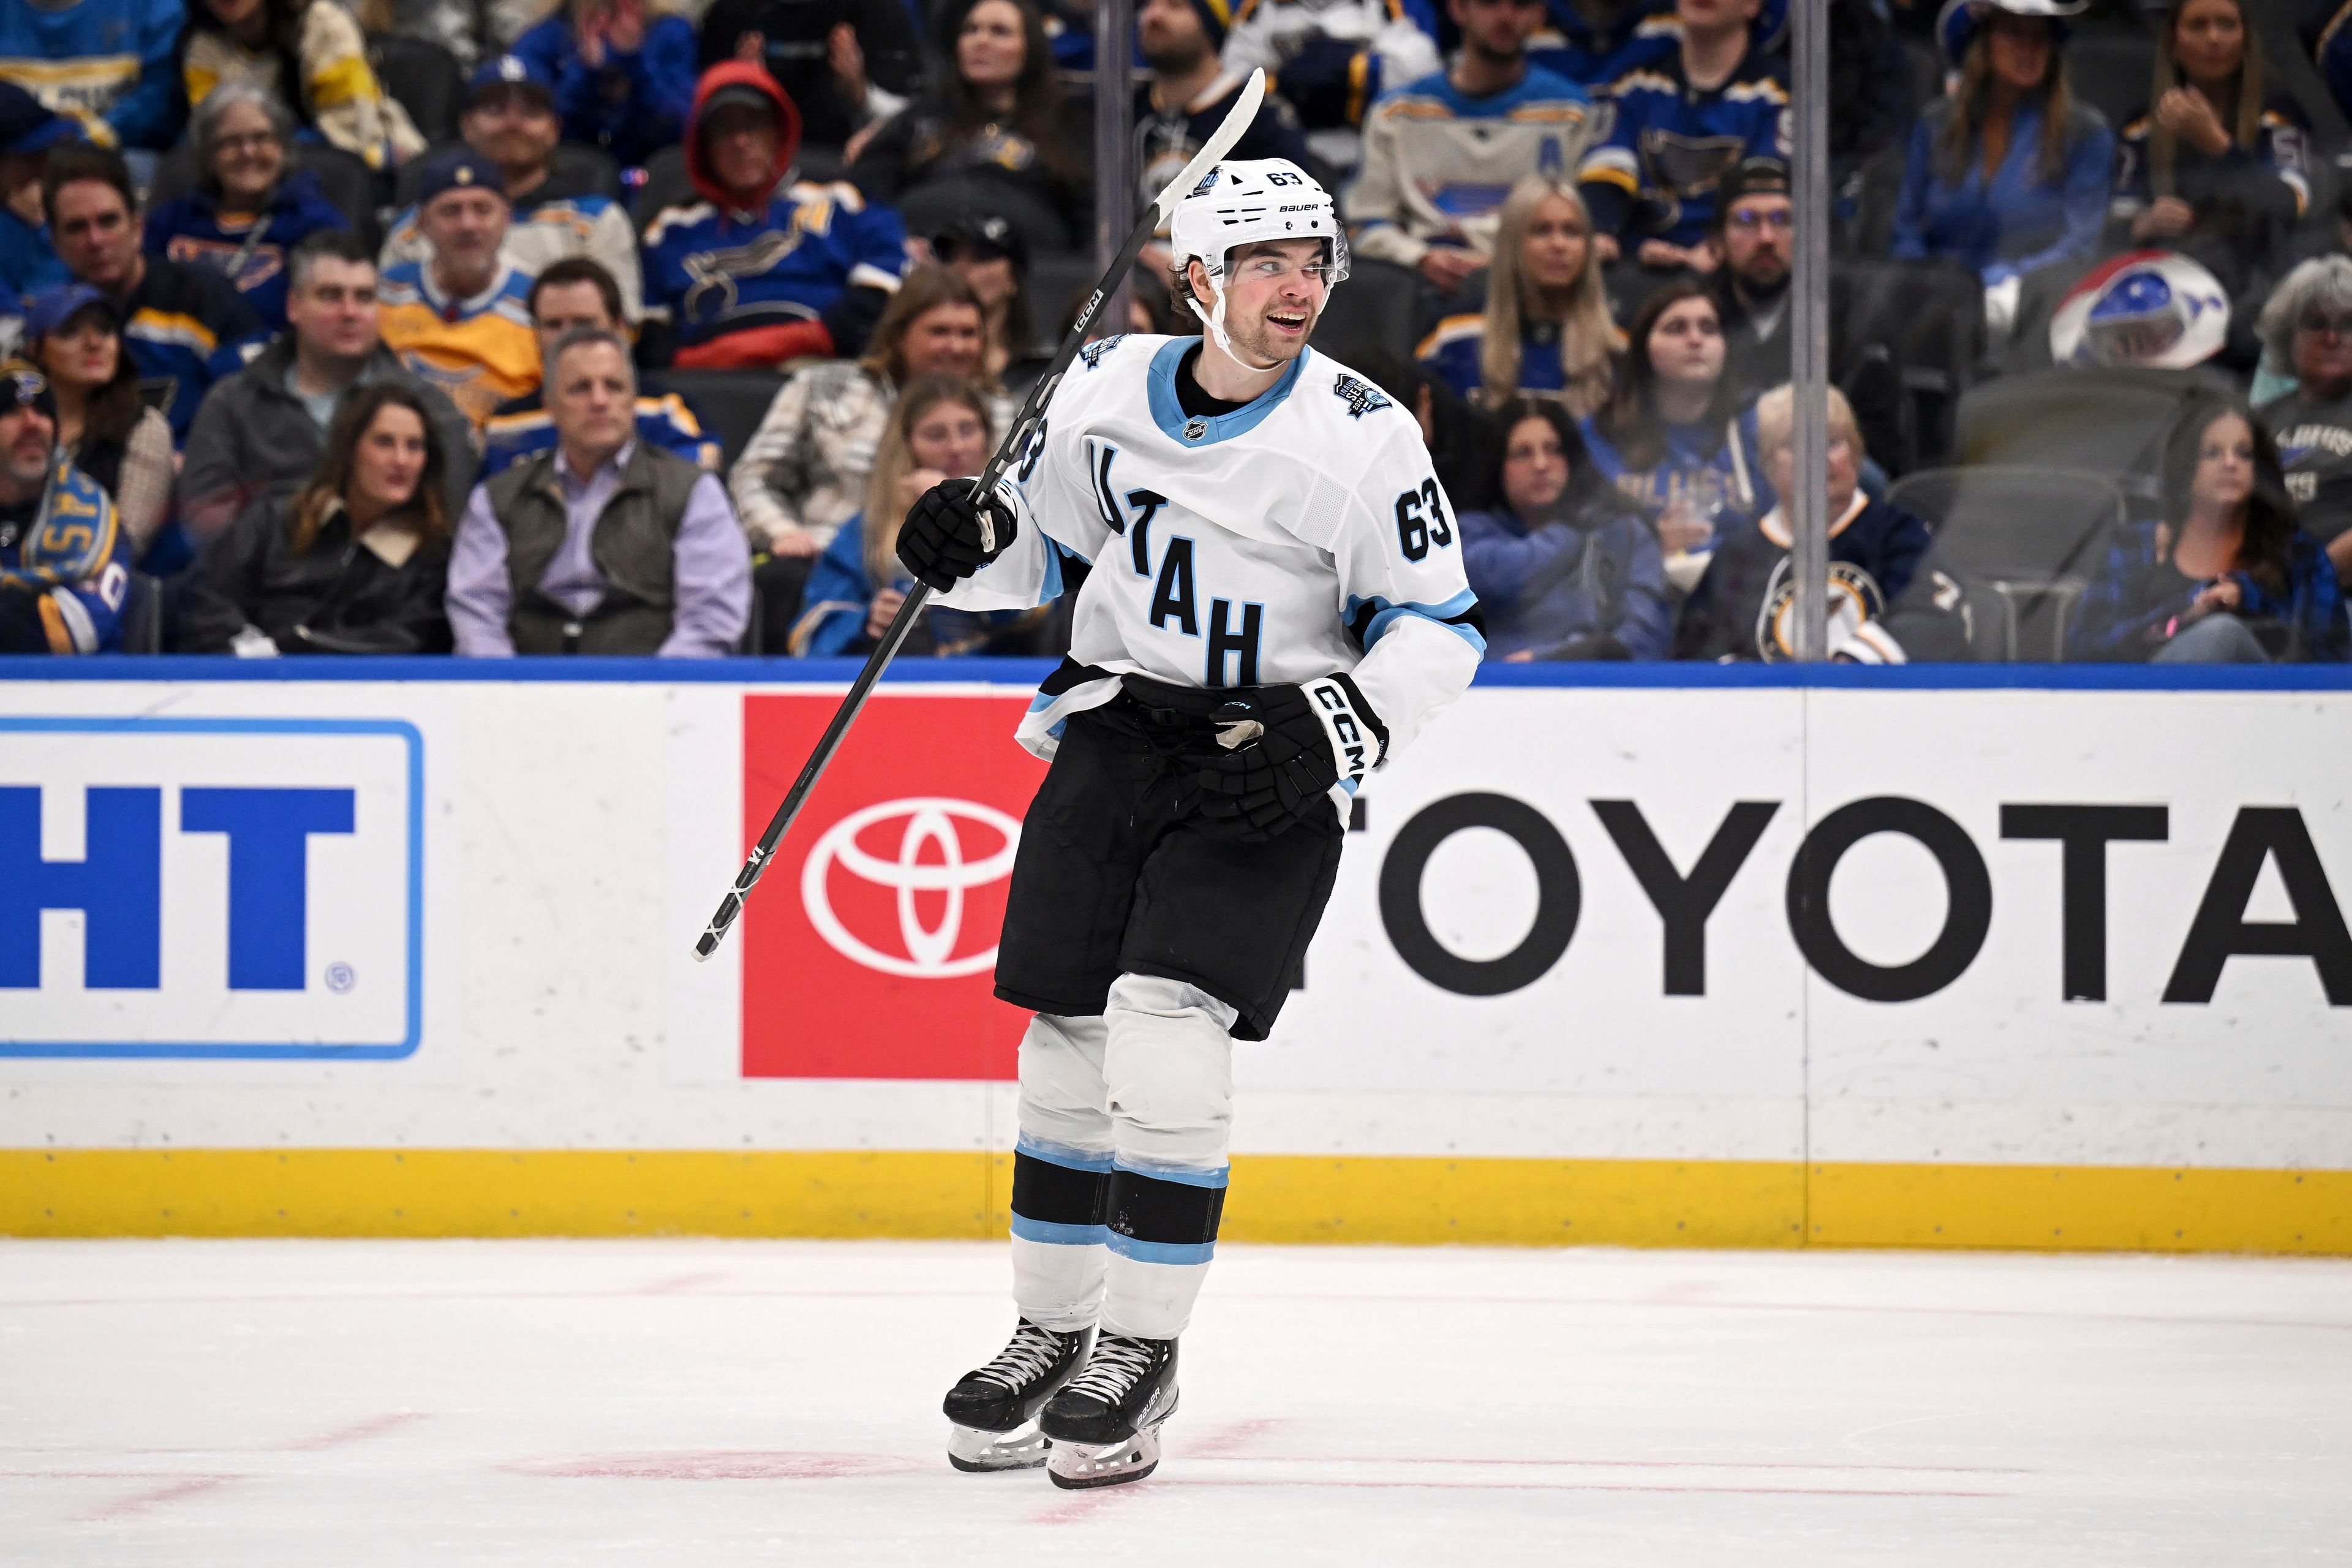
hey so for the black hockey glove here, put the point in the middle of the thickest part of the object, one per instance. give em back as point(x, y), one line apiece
point(1283, 747)
point(950, 532)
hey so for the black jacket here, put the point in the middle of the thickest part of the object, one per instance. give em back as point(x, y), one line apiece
point(334, 597)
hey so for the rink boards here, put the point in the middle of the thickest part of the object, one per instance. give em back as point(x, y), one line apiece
point(1691, 957)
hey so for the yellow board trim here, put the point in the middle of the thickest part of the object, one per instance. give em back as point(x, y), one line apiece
point(1274, 1198)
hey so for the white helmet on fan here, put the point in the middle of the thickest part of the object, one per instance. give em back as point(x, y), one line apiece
point(1241, 202)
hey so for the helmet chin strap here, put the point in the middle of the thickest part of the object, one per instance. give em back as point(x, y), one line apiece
point(1216, 324)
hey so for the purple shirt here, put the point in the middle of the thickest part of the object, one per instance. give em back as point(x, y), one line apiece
point(712, 567)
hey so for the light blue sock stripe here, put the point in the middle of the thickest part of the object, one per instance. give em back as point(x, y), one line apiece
point(1160, 1251)
point(1061, 1154)
point(1182, 1175)
point(1053, 1235)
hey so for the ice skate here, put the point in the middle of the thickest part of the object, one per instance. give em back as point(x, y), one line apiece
point(1105, 1425)
point(993, 1409)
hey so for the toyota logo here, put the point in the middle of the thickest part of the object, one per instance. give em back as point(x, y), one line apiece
point(930, 821)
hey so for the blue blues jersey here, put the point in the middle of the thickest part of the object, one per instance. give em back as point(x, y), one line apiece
point(1654, 177)
point(522, 427)
point(1573, 47)
point(1451, 353)
point(108, 63)
point(1712, 467)
point(710, 272)
point(192, 228)
point(65, 569)
point(187, 327)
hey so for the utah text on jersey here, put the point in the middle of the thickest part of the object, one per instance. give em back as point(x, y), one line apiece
point(1300, 534)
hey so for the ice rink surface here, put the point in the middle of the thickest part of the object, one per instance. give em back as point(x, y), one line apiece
point(720, 1403)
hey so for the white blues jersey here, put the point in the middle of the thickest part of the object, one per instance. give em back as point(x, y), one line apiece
point(1301, 534)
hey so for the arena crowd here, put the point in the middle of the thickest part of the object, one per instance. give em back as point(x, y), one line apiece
point(499, 327)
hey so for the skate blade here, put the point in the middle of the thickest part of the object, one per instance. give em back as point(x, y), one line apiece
point(1075, 1467)
point(974, 1451)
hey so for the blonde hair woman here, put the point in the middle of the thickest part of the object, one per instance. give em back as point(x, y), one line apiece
point(1545, 328)
point(940, 430)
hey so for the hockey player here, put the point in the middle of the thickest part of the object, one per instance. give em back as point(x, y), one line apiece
point(1270, 601)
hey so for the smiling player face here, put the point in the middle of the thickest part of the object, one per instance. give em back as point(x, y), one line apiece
point(1273, 292)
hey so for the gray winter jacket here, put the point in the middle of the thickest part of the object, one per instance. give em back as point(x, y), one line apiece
point(252, 440)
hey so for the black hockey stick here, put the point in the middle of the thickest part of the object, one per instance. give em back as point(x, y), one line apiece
point(1024, 424)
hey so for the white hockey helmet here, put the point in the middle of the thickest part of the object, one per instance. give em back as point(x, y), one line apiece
point(1241, 202)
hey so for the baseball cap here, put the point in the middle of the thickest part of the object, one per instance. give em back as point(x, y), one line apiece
point(53, 308)
point(460, 168)
point(984, 234)
point(22, 385)
point(510, 70)
point(1748, 178)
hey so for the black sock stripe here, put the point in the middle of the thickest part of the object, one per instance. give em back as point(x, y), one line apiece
point(1056, 1193)
point(1175, 1213)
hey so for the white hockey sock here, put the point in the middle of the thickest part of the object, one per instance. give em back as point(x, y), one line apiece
point(1169, 1067)
point(1061, 1169)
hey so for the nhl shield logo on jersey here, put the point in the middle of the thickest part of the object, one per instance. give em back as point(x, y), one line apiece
point(1195, 428)
point(1361, 397)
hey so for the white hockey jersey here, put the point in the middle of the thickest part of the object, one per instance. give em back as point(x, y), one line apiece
point(1303, 533)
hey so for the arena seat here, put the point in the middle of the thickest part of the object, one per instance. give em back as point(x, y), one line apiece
point(2111, 69)
point(426, 79)
point(2111, 422)
point(2026, 542)
point(731, 402)
point(665, 184)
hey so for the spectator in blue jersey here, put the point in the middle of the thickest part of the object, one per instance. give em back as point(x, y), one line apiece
point(995, 136)
point(1545, 327)
point(2008, 175)
point(2218, 166)
point(354, 563)
point(1441, 154)
point(623, 70)
point(603, 543)
point(573, 295)
point(510, 119)
point(1330, 59)
point(760, 267)
point(2227, 576)
point(74, 335)
point(1684, 118)
point(1594, 42)
point(1891, 601)
point(27, 131)
point(938, 431)
point(108, 63)
point(262, 433)
point(1564, 567)
point(187, 325)
point(1189, 91)
point(1671, 437)
point(251, 206)
point(65, 560)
